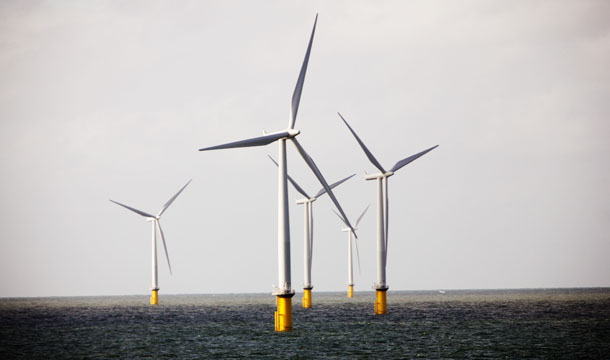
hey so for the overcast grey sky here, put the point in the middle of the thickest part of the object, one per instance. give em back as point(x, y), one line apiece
point(111, 99)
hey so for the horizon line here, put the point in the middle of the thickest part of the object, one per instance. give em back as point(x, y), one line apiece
point(318, 292)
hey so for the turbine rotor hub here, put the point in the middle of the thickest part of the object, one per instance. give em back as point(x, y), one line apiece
point(292, 133)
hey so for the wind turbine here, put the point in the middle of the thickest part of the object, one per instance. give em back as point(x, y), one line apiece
point(381, 286)
point(154, 219)
point(307, 201)
point(350, 265)
point(284, 291)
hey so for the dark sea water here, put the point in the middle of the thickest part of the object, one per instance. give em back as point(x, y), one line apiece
point(505, 324)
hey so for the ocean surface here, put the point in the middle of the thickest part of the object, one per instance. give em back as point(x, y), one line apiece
point(472, 324)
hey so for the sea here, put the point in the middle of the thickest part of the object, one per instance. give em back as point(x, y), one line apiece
point(451, 324)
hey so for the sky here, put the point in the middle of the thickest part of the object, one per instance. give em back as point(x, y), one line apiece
point(108, 100)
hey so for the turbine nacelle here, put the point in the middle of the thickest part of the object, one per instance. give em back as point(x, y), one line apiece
point(306, 200)
point(378, 175)
point(292, 132)
point(288, 133)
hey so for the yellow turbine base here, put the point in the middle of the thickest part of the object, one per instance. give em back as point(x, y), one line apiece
point(154, 298)
point(307, 298)
point(350, 291)
point(283, 315)
point(381, 306)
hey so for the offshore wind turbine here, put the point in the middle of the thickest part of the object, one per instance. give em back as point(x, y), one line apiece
point(156, 224)
point(284, 291)
point(307, 203)
point(350, 263)
point(381, 286)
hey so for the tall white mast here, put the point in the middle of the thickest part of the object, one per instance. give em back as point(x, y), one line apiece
point(381, 281)
point(155, 273)
point(283, 230)
point(350, 262)
point(307, 246)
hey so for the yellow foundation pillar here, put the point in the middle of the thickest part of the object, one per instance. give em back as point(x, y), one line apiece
point(350, 291)
point(307, 298)
point(283, 315)
point(381, 306)
point(154, 298)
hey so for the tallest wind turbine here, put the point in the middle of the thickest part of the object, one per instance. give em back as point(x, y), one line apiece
point(381, 286)
point(284, 291)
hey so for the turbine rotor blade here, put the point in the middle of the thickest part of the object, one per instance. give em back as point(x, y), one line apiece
point(257, 141)
point(294, 183)
point(411, 158)
point(333, 185)
point(362, 215)
point(164, 246)
point(358, 256)
point(139, 212)
point(364, 148)
point(296, 95)
point(318, 174)
point(339, 216)
point(170, 201)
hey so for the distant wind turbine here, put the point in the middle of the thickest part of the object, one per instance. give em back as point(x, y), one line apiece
point(307, 201)
point(350, 265)
point(381, 286)
point(154, 219)
point(284, 291)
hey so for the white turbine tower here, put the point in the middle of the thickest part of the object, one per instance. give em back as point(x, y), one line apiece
point(307, 201)
point(154, 219)
point(350, 263)
point(284, 292)
point(381, 286)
